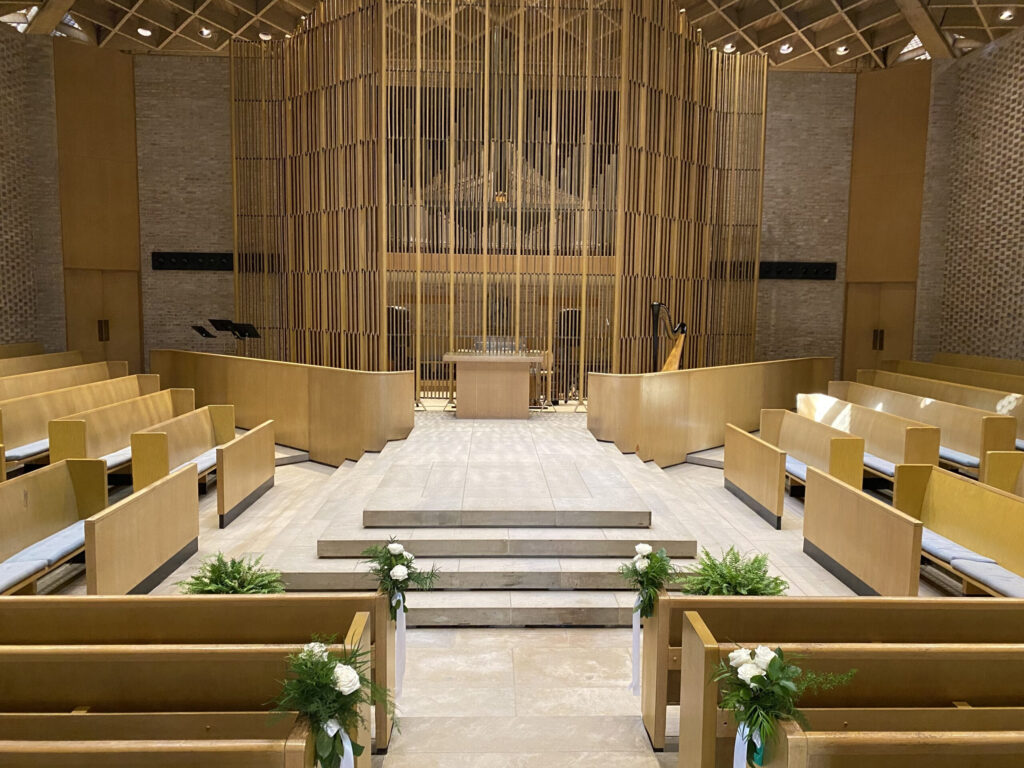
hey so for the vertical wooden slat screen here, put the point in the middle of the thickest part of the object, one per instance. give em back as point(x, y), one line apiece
point(419, 176)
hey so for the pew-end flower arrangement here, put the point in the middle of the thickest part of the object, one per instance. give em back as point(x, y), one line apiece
point(649, 573)
point(218, 575)
point(396, 572)
point(327, 689)
point(761, 688)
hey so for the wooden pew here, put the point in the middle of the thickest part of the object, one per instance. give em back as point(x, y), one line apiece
point(205, 619)
point(888, 439)
point(106, 432)
point(756, 468)
point(811, 620)
point(215, 620)
point(886, 737)
point(21, 349)
point(163, 678)
point(41, 516)
point(244, 464)
point(981, 363)
point(862, 541)
point(24, 384)
point(167, 739)
point(998, 401)
point(985, 526)
point(24, 421)
point(954, 373)
point(889, 674)
point(967, 433)
point(12, 366)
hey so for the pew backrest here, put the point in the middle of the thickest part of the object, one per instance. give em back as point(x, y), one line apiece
point(970, 431)
point(888, 436)
point(20, 349)
point(38, 504)
point(12, 366)
point(815, 444)
point(981, 363)
point(37, 382)
point(101, 431)
point(977, 516)
point(169, 444)
point(989, 379)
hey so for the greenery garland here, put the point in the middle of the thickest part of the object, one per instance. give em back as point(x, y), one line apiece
point(761, 688)
point(649, 573)
point(242, 576)
point(396, 571)
point(327, 688)
point(732, 575)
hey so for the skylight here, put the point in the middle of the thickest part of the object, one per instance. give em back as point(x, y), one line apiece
point(20, 19)
point(914, 45)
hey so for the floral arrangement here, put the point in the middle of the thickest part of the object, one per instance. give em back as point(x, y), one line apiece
point(761, 688)
point(396, 571)
point(242, 576)
point(327, 689)
point(732, 575)
point(649, 573)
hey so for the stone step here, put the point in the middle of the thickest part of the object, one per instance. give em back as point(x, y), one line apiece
point(518, 518)
point(502, 542)
point(521, 608)
point(468, 574)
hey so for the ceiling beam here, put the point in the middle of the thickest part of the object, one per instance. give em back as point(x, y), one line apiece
point(924, 26)
point(48, 17)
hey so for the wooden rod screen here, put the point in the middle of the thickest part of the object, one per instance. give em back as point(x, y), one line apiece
point(414, 177)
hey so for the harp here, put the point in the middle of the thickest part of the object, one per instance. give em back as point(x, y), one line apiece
point(661, 320)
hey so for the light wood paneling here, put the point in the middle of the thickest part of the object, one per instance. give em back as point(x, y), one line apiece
point(244, 466)
point(756, 467)
point(664, 416)
point(17, 365)
point(970, 376)
point(21, 349)
point(111, 297)
point(38, 382)
point(981, 363)
point(879, 324)
point(129, 541)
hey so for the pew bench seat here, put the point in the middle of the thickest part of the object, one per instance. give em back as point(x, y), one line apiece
point(992, 575)
point(948, 550)
point(118, 458)
point(205, 462)
point(28, 451)
point(1019, 444)
point(13, 574)
point(55, 547)
point(796, 468)
point(959, 458)
point(879, 465)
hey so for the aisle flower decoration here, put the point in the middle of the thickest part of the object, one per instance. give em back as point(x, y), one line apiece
point(327, 688)
point(648, 573)
point(396, 570)
point(761, 689)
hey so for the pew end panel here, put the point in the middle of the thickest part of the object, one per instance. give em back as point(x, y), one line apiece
point(998, 433)
point(245, 471)
point(698, 695)
point(132, 546)
point(150, 458)
point(1003, 471)
point(657, 661)
point(846, 460)
point(148, 383)
point(869, 546)
point(921, 445)
point(67, 439)
point(755, 472)
point(223, 419)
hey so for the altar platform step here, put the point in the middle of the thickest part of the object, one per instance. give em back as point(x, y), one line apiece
point(519, 516)
point(521, 608)
point(343, 541)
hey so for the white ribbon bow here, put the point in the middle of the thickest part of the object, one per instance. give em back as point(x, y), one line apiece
point(399, 642)
point(635, 685)
point(331, 728)
point(739, 754)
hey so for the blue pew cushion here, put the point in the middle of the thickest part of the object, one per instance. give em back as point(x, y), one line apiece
point(948, 550)
point(880, 465)
point(204, 461)
point(54, 547)
point(1020, 444)
point(117, 458)
point(13, 572)
point(27, 451)
point(796, 468)
point(992, 575)
point(956, 457)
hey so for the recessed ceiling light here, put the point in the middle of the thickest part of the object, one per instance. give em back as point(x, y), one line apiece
point(264, 36)
point(1006, 15)
point(785, 48)
point(205, 32)
point(729, 47)
point(842, 50)
point(145, 32)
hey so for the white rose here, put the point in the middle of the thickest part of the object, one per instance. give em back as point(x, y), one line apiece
point(739, 657)
point(642, 563)
point(346, 679)
point(749, 671)
point(395, 548)
point(763, 656)
point(644, 549)
point(315, 650)
point(410, 556)
point(399, 573)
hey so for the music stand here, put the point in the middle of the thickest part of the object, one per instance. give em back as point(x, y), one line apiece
point(223, 325)
point(245, 331)
point(203, 332)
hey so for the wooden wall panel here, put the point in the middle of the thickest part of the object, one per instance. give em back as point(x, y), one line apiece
point(416, 177)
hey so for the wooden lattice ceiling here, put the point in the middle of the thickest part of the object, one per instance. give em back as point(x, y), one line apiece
point(795, 34)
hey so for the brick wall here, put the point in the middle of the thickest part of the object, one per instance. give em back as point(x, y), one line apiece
point(808, 146)
point(183, 124)
point(32, 294)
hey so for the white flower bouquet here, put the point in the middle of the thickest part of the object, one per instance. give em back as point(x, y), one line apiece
point(648, 573)
point(396, 571)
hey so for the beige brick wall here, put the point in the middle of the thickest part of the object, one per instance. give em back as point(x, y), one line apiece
point(183, 131)
point(808, 146)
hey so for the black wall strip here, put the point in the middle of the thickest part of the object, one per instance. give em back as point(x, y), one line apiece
point(797, 270)
point(199, 262)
